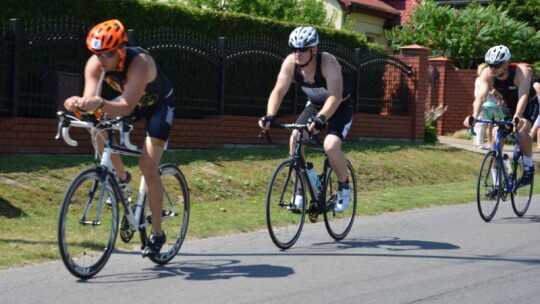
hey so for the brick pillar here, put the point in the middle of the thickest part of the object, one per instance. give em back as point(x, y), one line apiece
point(437, 84)
point(417, 57)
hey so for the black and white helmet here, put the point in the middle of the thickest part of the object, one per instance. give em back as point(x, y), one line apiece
point(497, 54)
point(304, 36)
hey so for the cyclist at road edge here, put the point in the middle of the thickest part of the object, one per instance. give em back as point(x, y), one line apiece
point(329, 103)
point(513, 82)
point(145, 93)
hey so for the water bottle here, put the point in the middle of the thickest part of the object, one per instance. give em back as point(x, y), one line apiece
point(313, 175)
point(507, 165)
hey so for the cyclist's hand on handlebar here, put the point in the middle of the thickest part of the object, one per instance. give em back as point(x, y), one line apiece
point(265, 121)
point(516, 121)
point(72, 103)
point(469, 121)
point(316, 124)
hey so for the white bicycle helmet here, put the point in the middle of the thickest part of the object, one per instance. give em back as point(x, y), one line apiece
point(304, 36)
point(497, 54)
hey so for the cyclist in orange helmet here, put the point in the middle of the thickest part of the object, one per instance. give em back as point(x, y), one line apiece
point(145, 93)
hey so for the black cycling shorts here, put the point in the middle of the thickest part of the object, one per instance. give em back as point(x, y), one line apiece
point(531, 111)
point(159, 118)
point(339, 124)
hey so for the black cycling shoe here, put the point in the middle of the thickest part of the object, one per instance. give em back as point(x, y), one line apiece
point(528, 173)
point(154, 244)
point(492, 193)
point(124, 183)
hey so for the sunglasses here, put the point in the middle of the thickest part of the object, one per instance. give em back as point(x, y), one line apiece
point(109, 54)
point(495, 66)
point(301, 50)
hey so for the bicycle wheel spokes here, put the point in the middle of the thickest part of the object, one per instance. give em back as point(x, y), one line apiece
point(521, 197)
point(87, 226)
point(337, 224)
point(489, 187)
point(284, 222)
point(175, 214)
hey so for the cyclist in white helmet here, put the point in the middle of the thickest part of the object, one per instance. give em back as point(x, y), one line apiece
point(513, 82)
point(319, 76)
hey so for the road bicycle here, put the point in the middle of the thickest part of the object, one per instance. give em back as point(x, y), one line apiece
point(290, 179)
point(88, 223)
point(496, 182)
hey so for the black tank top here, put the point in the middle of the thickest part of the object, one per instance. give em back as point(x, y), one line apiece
point(317, 92)
point(509, 91)
point(155, 91)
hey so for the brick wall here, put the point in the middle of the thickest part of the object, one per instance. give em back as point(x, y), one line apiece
point(29, 135)
point(453, 88)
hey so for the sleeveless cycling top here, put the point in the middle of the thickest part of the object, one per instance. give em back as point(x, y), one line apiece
point(317, 93)
point(509, 91)
point(155, 91)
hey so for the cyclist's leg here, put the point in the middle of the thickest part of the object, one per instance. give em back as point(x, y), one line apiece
point(158, 129)
point(338, 161)
point(308, 112)
point(116, 159)
point(338, 127)
point(149, 163)
point(525, 142)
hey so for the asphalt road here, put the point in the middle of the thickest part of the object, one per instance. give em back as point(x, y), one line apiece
point(435, 255)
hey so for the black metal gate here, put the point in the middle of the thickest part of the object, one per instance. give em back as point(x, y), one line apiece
point(42, 63)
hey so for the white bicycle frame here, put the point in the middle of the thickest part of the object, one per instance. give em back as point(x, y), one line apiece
point(105, 159)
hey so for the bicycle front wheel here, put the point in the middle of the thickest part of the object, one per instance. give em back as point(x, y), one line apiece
point(88, 224)
point(337, 224)
point(284, 221)
point(175, 213)
point(521, 197)
point(489, 187)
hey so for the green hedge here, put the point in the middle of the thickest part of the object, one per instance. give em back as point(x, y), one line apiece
point(142, 14)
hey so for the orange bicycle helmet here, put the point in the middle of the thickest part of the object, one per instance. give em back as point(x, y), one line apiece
point(106, 36)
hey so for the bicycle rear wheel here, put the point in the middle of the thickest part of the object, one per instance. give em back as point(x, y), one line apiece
point(489, 187)
point(521, 197)
point(175, 214)
point(284, 222)
point(87, 225)
point(339, 225)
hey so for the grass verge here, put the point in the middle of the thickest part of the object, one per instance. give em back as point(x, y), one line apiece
point(228, 188)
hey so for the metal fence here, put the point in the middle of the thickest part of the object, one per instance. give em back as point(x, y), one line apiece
point(42, 63)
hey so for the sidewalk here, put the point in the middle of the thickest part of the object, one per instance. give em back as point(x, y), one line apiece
point(465, 144)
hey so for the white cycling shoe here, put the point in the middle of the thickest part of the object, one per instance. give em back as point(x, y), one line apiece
point(297, 203)
point(343, 199)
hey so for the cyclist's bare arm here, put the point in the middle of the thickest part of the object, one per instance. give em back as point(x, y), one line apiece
point(484, 87)
point(331, 71)
point(284, 80)
point(522, 81)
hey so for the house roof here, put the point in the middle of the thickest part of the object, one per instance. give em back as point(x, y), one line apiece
point(404, 7)
point(374, 7)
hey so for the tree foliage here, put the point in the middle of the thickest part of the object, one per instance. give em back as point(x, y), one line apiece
point(299, 11)
point(522, 10)
point(464, 35)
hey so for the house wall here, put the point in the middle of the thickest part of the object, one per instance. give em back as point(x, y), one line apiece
point(369, 26)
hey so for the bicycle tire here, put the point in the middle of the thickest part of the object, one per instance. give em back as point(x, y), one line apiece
point(284, 224)
point(337, 224)
point(521, 197)
point(489, 190)
point(86, 247)
point(175, 216)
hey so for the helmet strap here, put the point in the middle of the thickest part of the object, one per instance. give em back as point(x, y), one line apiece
point(311, 55)
point(122, 54)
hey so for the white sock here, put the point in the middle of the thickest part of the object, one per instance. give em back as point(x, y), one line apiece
point(494, 176)
point(528, 161)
